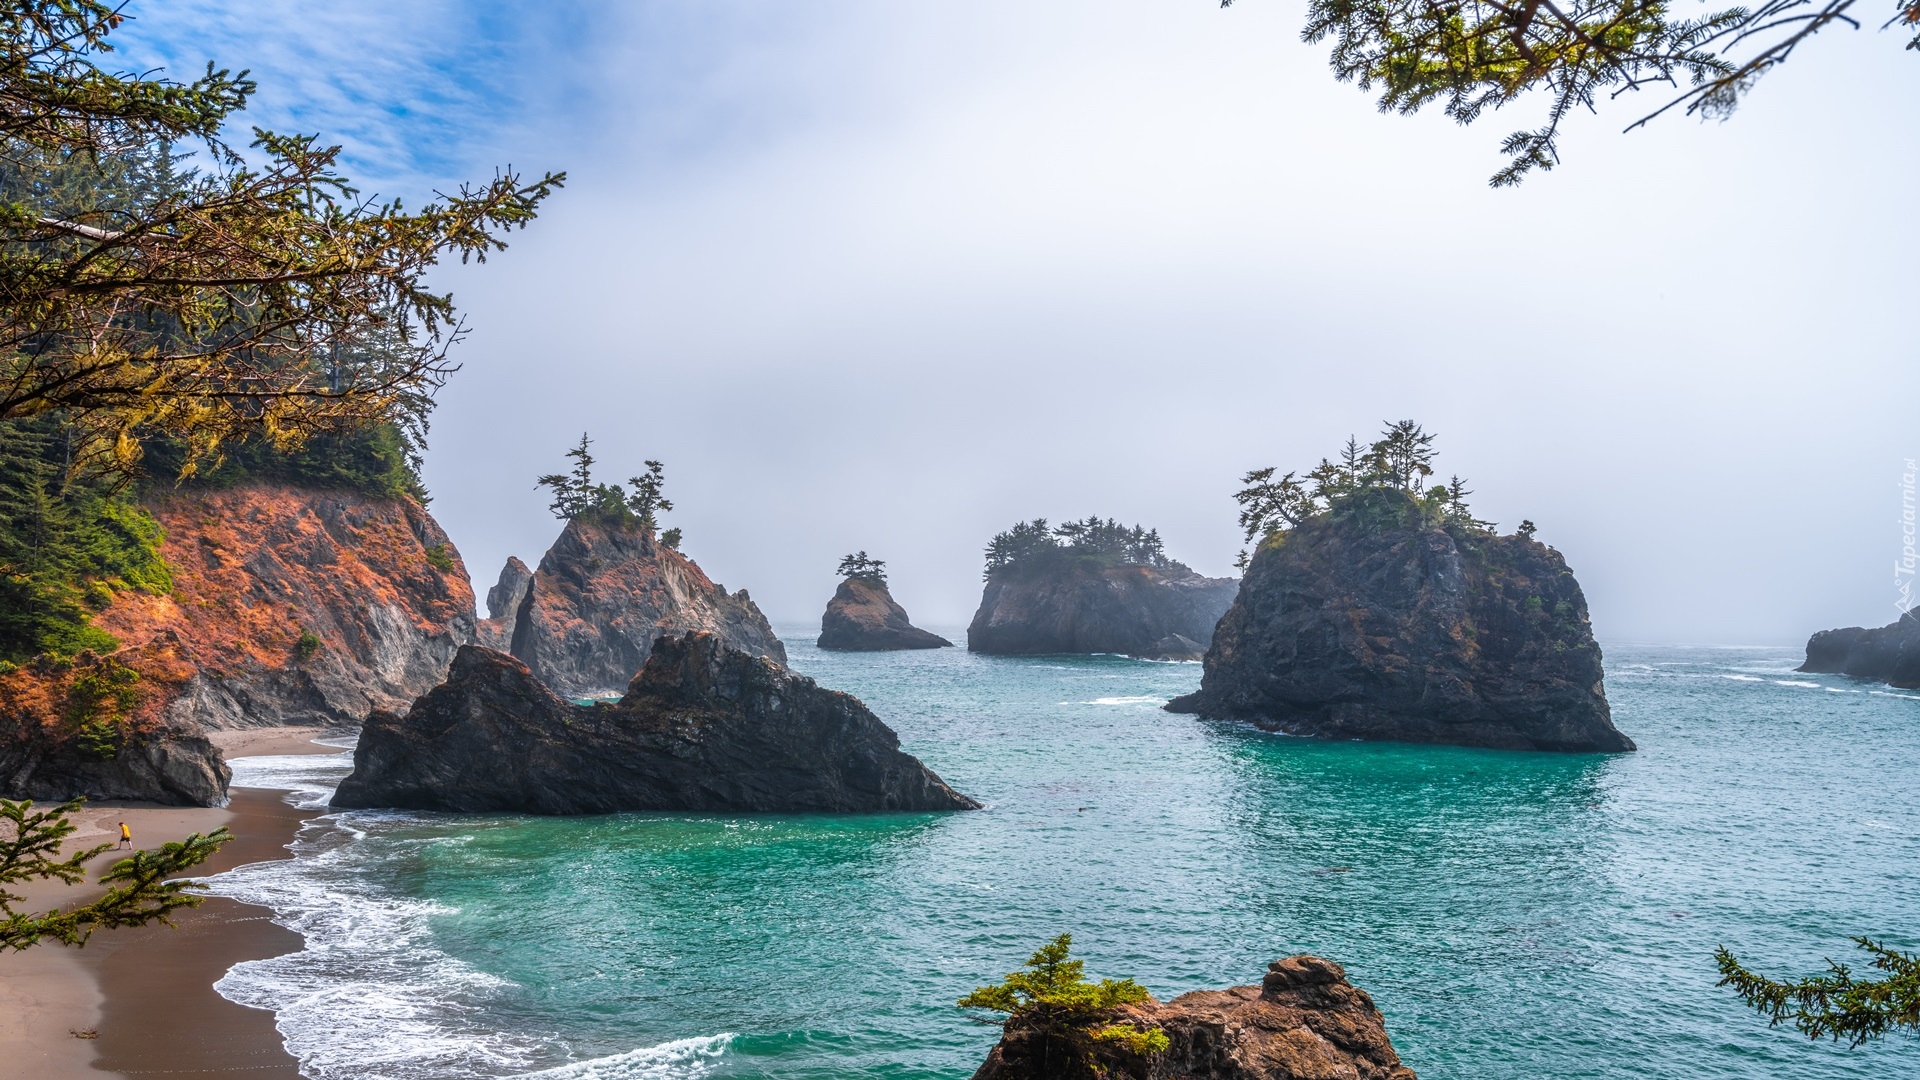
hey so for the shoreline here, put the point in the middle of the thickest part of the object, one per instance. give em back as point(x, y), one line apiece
point(148, 991)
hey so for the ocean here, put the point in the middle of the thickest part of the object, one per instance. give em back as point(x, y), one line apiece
point(1514, 915)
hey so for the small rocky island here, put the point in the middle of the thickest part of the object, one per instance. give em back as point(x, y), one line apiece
point(1093, 587)
point(610, 585)
point(703, 727)
point(1888, 654)
point(1304, 1021)
point(1377, 607)
point(863, 617)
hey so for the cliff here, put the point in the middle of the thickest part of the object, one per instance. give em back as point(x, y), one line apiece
point(587, 618)
point(1090, 605)
point(503, 604)
point(863, 617)
point(1305, 1021)
point(703, 727)
point(288, 606)
point(1889, 654)
point(1375, 625)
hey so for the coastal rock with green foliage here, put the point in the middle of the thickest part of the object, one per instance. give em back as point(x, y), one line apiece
point(270, 587)
point(863, 617)
point(586, 618)
point(1376, 607)
point(1304, 1021)
point(1093, 587)
point(703, 727)
point(1888, 654)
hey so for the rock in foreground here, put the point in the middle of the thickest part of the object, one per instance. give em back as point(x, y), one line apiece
point(703, 727)
point(863, 617)
point(1889, 654)
point(1304, 1022)
point(1373, 624)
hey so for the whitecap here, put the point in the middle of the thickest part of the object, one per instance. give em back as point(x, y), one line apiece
point(681, 1059)
point(1144, 699)
point(1744, 678)
point(1796, 682)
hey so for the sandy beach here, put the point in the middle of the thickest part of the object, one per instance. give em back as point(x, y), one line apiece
point(147, 993)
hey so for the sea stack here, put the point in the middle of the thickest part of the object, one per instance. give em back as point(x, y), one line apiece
point(587, 618)
point(703, 727)
point(1304, 1021)
point(1888, 654)
point(1093, 587)
point(1373, 609)
point(863, 617)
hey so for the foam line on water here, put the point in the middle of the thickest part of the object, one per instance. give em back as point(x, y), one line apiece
point(681, 1059)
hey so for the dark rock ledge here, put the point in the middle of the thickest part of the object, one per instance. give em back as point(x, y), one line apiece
point(703, 727)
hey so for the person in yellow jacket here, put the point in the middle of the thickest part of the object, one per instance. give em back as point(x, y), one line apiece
point(126, 836)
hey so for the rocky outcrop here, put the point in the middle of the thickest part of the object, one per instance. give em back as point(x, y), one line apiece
point(1376, 626)
point(1888, 654)
point(863, 617)
point(588, 617)
point(1305, 1021)
point(289, 607)
point(503, 603)
point(703, 727)
point(1092, 606)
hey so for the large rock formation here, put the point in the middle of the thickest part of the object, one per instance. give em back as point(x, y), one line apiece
point(587, 618)
point(1084, 605)
point(703, 727)
point(1305, 1021)
point(503, 604)
point(1370, 624)
point(862, 617)
point(289, 606)
point(1889, 654)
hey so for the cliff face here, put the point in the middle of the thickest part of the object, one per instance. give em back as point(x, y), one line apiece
point(1085, 606)
point(1305, 1021)
point(587, 618)
point(703, 727)
point(1890, 654)
point(862, 617)
point(1407, 633)
point(289, 607)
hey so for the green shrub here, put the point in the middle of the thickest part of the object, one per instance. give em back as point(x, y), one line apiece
point(377, 461)
point(1056, 997)
point(439, 559)
point(306, 645)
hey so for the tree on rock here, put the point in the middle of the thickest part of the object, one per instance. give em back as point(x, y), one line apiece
point(858, 565)
point(577, 497)
point(1069, 1011)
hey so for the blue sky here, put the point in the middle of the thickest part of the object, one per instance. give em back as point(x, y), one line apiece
point(893, 276)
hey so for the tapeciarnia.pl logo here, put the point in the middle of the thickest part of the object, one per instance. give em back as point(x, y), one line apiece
point(1903, 567)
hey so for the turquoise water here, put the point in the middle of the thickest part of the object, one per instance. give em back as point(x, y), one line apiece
point(1513, 914)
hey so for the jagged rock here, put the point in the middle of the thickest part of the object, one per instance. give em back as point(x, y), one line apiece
point(1889, 654)
point(1084, 606)
point(289, 607)
point(1375, 626)
point(603, 593)
point(1173, 647)
point(1305, 1021)
point(703, 727)
point(863, 617)
point(503, 603)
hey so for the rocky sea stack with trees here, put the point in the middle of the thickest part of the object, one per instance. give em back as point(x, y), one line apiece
point(585, 620)
point(1304, 1021)
point(863, 617)
point(1376, 606)
point(704, 727)
point(1093, 586)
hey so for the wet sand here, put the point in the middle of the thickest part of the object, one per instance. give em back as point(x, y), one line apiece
point(148, 992)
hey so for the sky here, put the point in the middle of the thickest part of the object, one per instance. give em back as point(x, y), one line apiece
point(884, 276)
